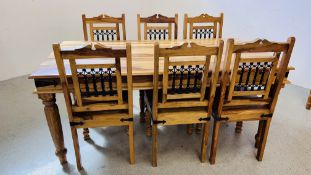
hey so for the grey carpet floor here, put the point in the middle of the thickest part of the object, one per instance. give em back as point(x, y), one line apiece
point(26, 146)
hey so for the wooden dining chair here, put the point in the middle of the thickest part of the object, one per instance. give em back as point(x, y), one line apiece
point(255, 80)
point(101, 96)
point(184, 92)
point(104, 28)
point(155, 27)
point(203, 26)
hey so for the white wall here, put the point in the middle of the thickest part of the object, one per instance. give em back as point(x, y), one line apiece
point(29, 27)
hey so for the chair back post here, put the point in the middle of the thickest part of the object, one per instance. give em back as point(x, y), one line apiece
point(221, 22)
point(215, 77)
point(282, 72)
point(225, 75)
point(84, 28)
point(185, 26)
point(155, 82)
point(129, 78)
point(63, 78)
point(123, 26)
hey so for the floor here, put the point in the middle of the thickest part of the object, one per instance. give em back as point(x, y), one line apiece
point(26, 146)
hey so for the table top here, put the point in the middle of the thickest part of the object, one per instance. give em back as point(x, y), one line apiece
point(142, 56)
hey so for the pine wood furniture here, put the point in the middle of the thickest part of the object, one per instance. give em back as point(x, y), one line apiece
point(308, 105)
point(47, 82)
point(99, 98)
point(103, 28)
point(183, 97)
point(253, 88)
point(155, 27)
point(203, 26)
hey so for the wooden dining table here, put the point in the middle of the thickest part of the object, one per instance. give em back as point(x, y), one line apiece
point(47, 82)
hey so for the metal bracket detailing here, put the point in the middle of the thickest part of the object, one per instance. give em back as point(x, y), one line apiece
point(126, 119)
point(76, 123)
point(205, 119)
point(158, 122)
point(219, 118)
point(267, 115)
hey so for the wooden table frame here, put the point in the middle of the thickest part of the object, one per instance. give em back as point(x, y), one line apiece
point(48, 84)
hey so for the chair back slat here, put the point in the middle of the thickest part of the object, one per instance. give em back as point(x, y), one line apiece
point(157, 27)
point(103, 28)
point(184, 79)
point(203, 26)
point(256, 70)
point(99, 81)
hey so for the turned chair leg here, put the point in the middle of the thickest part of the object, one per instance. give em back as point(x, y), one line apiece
point(76, 148)
point(142, 106)
point(308, 105)
point(263, 139)
point(148, 127)
point(86, 134)
point(154, 145)
point(131, 142)
point(258, 134)
point(204, 141)
point(189, 129)
point(198, 128)
point(238, 127)
point(216, 129)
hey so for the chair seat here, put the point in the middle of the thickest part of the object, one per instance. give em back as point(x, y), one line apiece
point(244, 114)
point(181, 112)
point(101, 118)
point(175, 116)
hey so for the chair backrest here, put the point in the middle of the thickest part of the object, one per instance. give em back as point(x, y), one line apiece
point(103, 28)
point(157, 27)
point(203, 26)
point(96, 77)
point(255, 72)
point(187, 79)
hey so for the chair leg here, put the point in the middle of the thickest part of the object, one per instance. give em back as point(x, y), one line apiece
point(189, 129)
point(148, 124)
point(214, 142)
point(263, 139)
point(76, 148)
point(142, 106)
point(86, 134)
point(258, 134)
point(154, 145)
point(204, 141)
point(198, 128)
point(238, 127)
point(131, 142)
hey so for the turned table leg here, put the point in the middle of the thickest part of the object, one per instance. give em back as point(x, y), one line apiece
point(55, 125)
point(238, 127)
point(308, 105)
